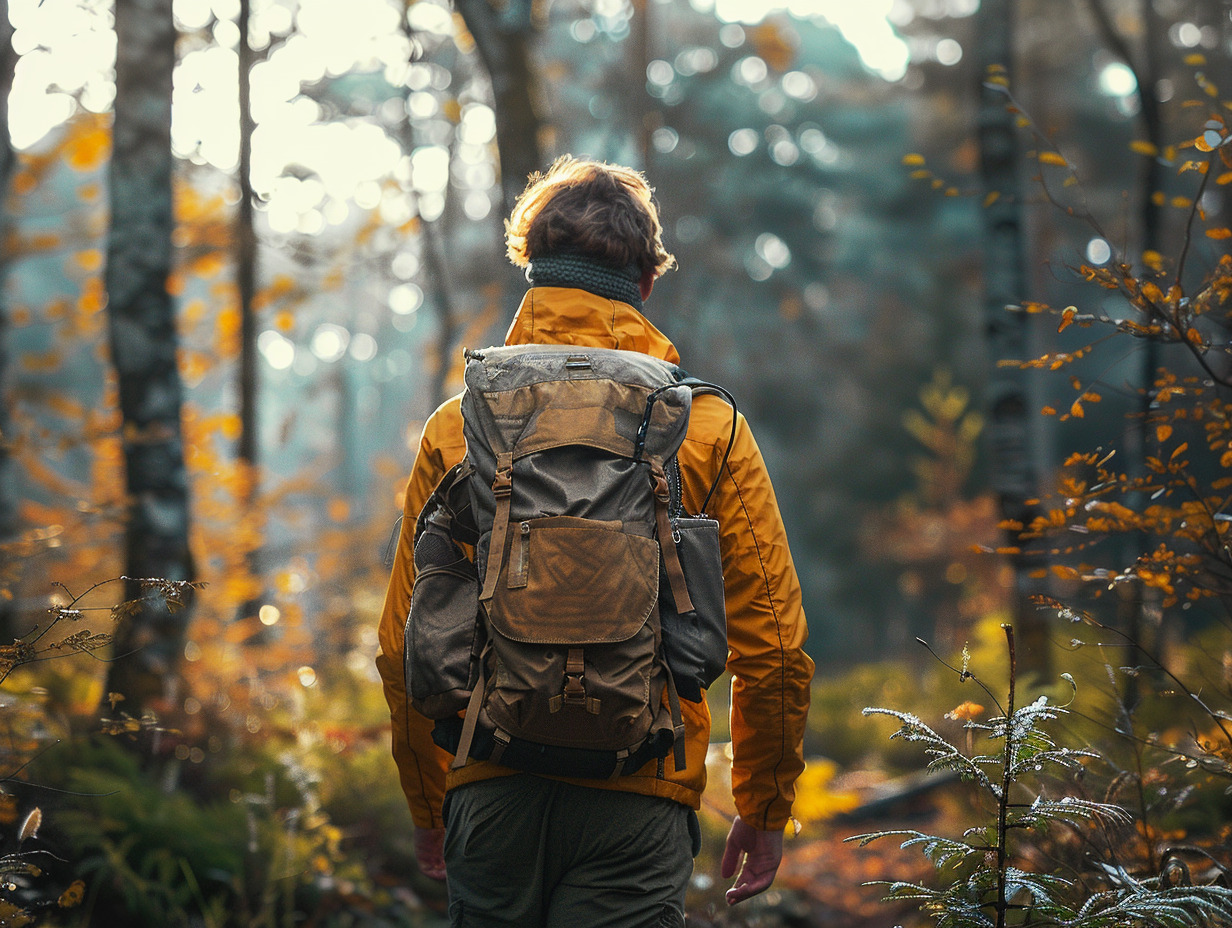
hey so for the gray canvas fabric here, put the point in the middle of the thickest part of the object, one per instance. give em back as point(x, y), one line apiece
point(528, 852)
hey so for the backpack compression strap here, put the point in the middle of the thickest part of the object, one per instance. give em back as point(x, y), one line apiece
point(502, 489)
point(667, 540)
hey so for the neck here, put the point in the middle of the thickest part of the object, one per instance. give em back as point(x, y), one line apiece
point(586, 274)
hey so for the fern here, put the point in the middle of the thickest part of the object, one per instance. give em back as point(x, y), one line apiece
point(981, 881)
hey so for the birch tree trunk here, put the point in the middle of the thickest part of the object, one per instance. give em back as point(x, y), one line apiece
point(141, 318)
point(1014, 474)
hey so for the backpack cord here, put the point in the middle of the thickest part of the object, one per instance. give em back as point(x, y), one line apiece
point(697, 386)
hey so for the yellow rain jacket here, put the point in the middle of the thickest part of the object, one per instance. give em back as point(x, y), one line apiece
point(765, 622)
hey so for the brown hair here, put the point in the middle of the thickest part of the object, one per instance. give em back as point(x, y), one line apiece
point(603, 211)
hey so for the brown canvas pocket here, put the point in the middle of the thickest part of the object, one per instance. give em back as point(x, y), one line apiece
point(576, 581)
point(621, 688)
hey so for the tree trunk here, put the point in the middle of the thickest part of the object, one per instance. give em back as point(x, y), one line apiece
point(248, 450)
point(246, 257)
point(1013, 468)
point(503, 37)
point(8, 489)
point(141, 317)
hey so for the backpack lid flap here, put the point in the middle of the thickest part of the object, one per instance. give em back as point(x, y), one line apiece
point(529, 398)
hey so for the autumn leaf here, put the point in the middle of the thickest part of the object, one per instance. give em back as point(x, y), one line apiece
point(89, 149)
point(1067, 318)
point(966, 711)
point(1163, 432)
point(1144, 148)
point(1076, 410)
point(913, 160)
point(1052, 157)
point(1220, 233)
point(73, 895)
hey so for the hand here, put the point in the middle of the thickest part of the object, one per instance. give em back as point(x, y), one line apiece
point(761, 851)
point(430, 852)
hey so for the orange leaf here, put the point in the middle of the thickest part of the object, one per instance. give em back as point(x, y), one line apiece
point(1220, 233)
point(1067, 318)
point(1052, 157)
point(1162, 432)
point(1064, 572)
point(89, 149)
point(1048, 411)
point(1076, 410)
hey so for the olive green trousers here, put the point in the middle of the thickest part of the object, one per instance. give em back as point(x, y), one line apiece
point(527, 852)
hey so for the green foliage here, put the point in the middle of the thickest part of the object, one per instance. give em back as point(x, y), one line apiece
point(157, 848)
point(985, 879)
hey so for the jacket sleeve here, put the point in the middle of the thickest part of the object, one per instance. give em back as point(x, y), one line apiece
point(421, 764)
point(766, 630)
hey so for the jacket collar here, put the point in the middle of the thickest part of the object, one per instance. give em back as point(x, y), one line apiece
point(567, 316)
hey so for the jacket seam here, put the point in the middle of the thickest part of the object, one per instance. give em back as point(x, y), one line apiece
point(778, 631)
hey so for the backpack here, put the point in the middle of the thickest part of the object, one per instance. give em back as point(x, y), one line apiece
point(592, 602)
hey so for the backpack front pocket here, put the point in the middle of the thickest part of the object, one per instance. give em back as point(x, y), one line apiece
point(576, 581)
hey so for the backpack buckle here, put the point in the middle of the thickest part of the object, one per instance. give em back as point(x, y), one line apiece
point(502, 483)
point(575, 674)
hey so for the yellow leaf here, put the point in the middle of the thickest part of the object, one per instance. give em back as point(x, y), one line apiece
point(991, 197)
point(89, 149)
point(1052, 157)
point(1153, 259)
point(1195, 60)
point(73, 895)
point(89, 260)
point(913, 160)
point(1182, 202)
point(1144, 148)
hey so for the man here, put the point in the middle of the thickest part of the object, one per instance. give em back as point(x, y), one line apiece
point(524, 850)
